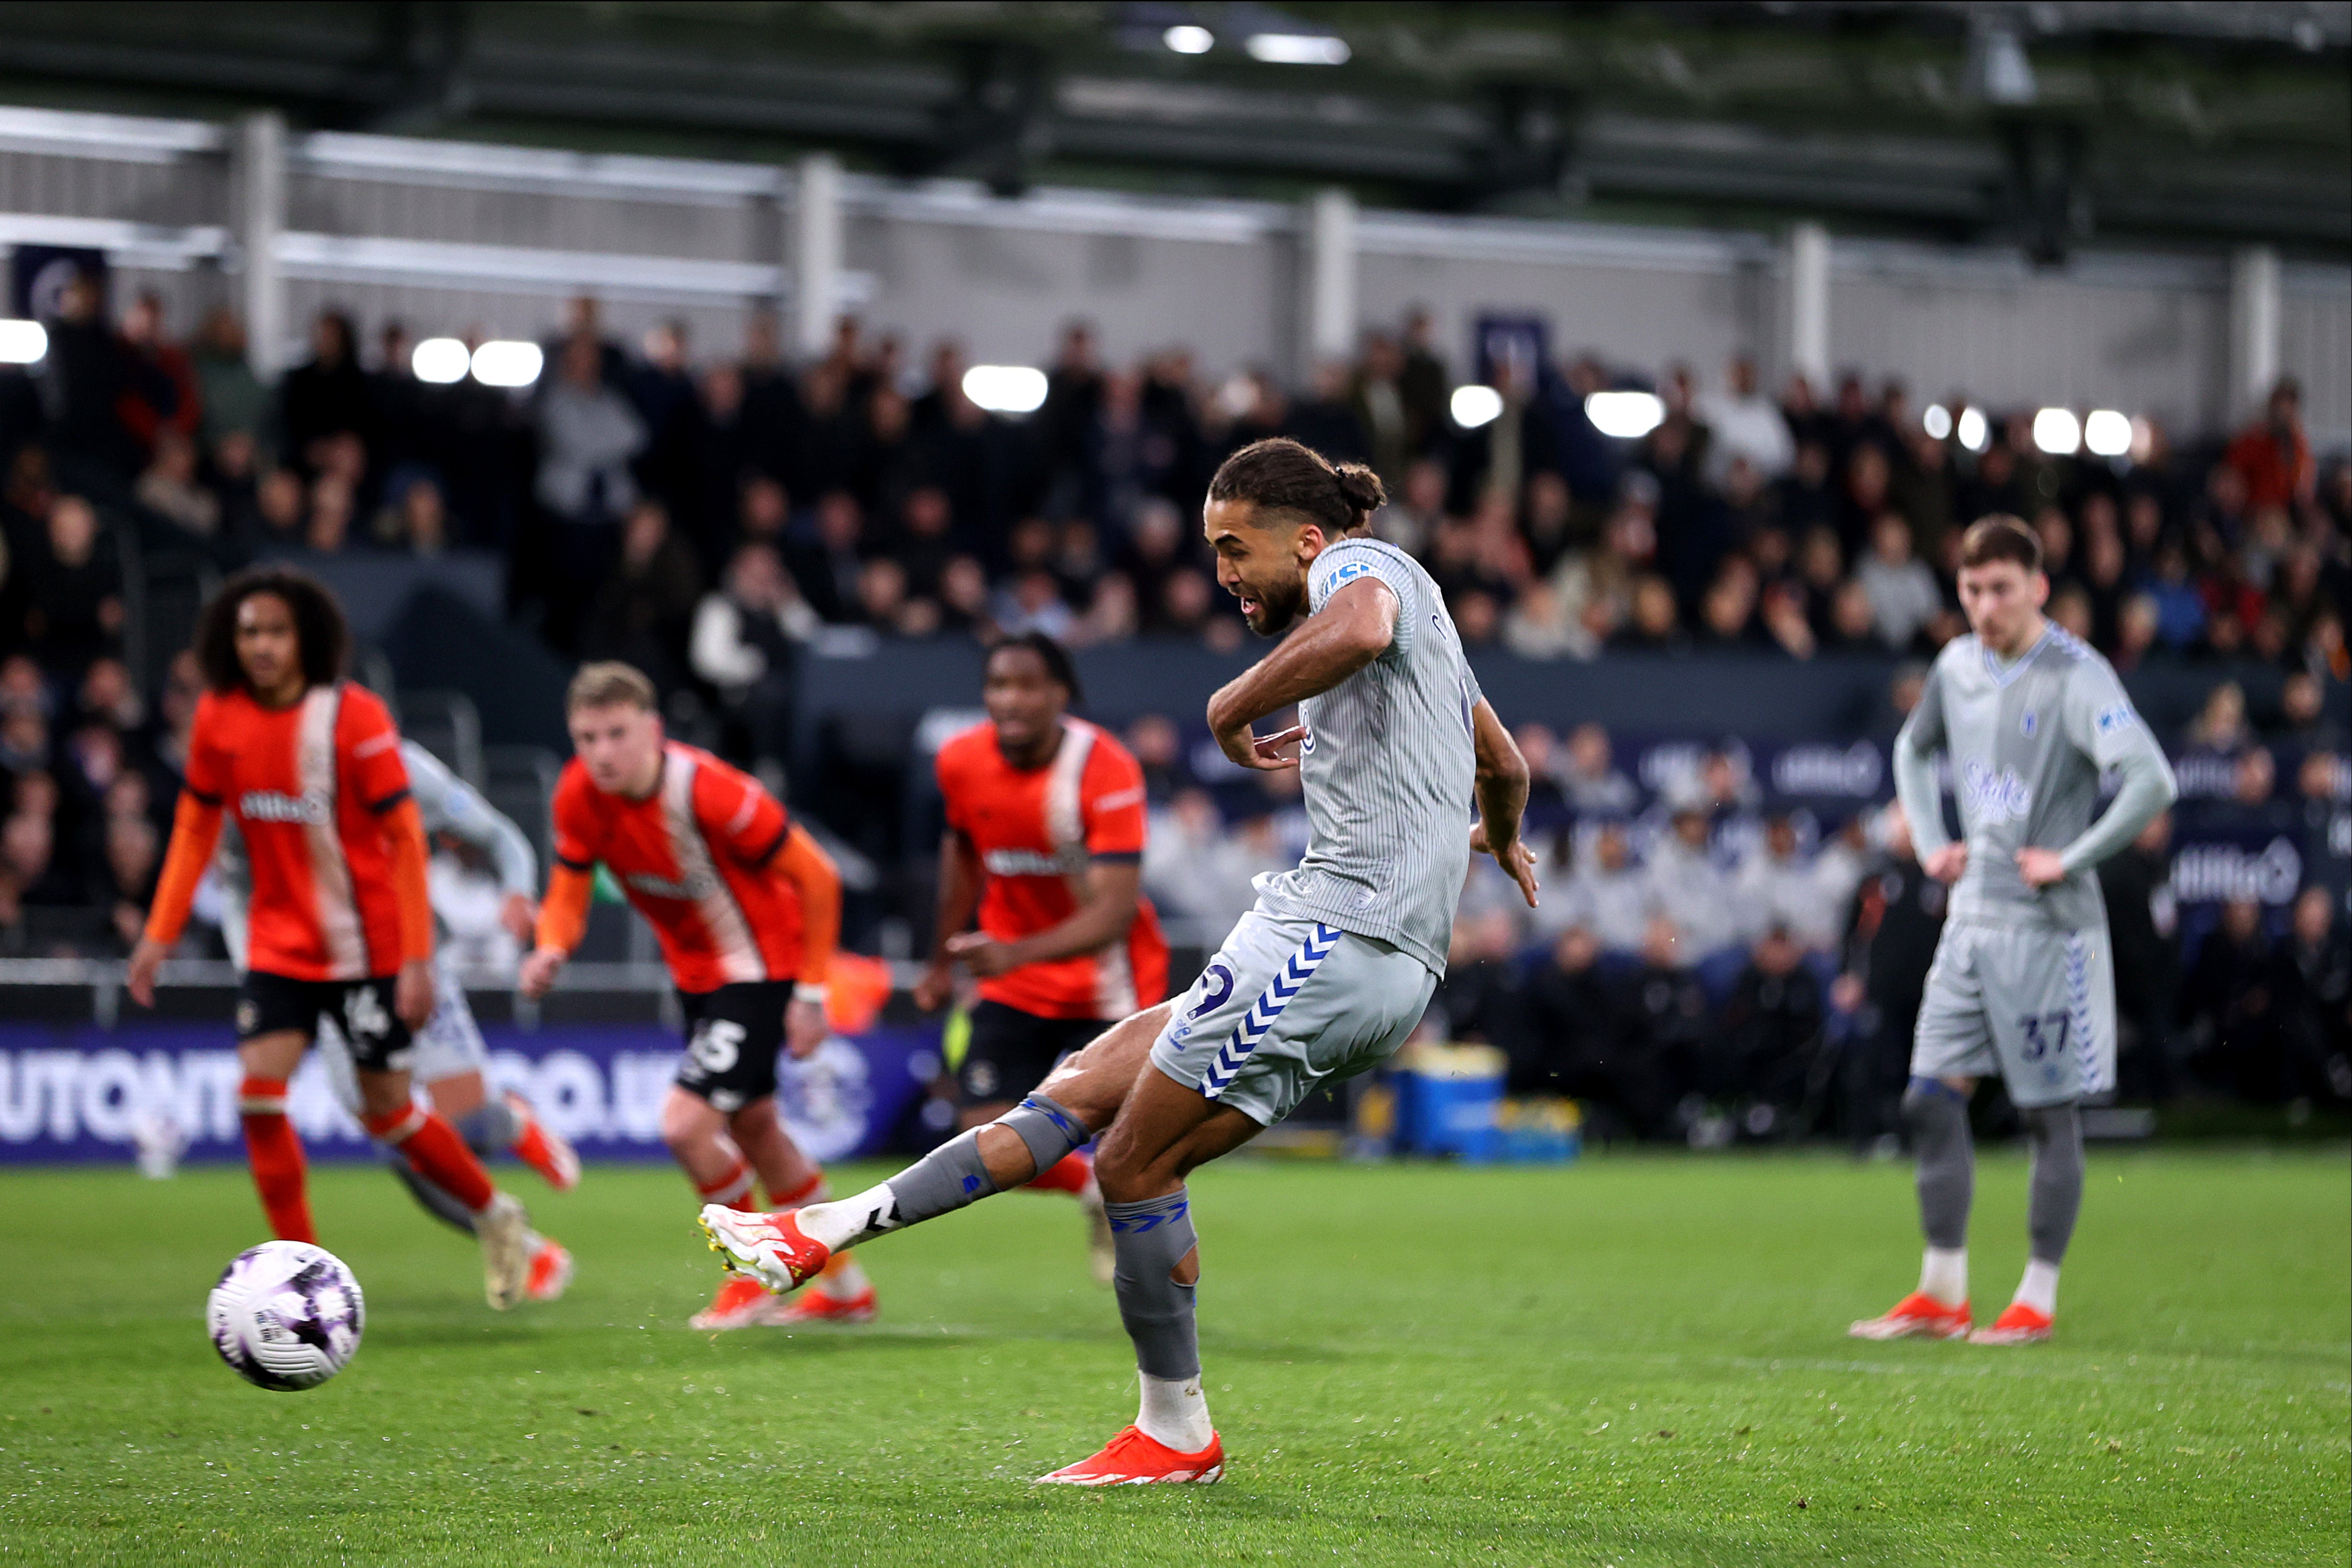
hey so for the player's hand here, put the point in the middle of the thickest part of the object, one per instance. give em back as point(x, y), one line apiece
point(983, 955)
point(805, 1027)
point(2039, 868)
point(936, 988)
point(1946, 863)
point(411, 993)
point(1262, 753)
point(146, 959)
point(520, 915)
point(539, 969)
point(1518, 860)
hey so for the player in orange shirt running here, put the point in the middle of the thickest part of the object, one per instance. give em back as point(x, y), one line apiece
point(1044, 839)
point(339, 925)
point(748, 910)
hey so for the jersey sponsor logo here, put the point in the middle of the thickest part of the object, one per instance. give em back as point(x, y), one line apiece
point(313, 806)
point(1992, 797)
point(1031, 862)
point(1119, 799)
point(2119, 717)
point(691, 888)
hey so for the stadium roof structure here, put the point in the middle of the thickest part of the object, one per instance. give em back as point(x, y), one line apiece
point(2048, 122)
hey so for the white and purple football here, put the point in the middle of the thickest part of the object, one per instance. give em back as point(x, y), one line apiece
point(286, 1315)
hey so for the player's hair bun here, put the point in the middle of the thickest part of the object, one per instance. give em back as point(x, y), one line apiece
point(1359, 487)
point(1279, 474)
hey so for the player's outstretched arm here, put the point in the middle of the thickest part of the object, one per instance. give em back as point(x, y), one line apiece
point(1502, 789)
point(563, 922)
point(817, 881)
point(196, 829)
point(960, 885)
point(1354, 627)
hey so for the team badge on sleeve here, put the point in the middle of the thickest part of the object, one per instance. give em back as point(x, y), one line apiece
point(1349, 572)
point(2119, 717)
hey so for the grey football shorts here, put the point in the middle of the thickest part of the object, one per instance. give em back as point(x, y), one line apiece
point(1286, 1004)
point(2036, 1006)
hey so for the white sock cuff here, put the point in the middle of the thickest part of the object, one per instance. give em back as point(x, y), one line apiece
point(1175, 1413)
point(1944, 1274)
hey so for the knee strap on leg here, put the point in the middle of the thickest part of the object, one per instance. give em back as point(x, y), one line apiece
point(1938, 1117)
point(1148, 1240)
point(490, 1128)
point(2056, 1196)
point(1049, 1130)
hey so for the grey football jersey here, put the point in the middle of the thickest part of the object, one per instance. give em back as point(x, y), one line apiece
point(2027, 743)
point(1388, 767)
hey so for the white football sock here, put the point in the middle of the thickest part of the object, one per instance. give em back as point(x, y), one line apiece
point(1174, 1413)
point(2039, 1289)
point(849, 1219)
point(843, 1279)
point(1944, 1274)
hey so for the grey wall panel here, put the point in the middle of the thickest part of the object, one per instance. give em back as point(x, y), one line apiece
point(189, 191)
point(713, 331)
point(1642, 320)
point(2038, 340)
point(534, 219)
point(1005, 294)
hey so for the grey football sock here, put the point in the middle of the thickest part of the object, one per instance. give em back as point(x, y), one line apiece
point(438, 1202)
point(491, 1128)
point(941, 1182)
point(2056, 1134)
point(1049, 1130)
point(1938, 1117)
point(1150, 1239)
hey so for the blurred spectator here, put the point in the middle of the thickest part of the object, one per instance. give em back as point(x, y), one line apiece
point(1894, 922)
point(641, 614)
point(2143, 925)
point(234, 400)
point(1903, 593)
point(2270, 458)
point(327, 396)
point(169, 488)
point(1746, 426)
point(745, 642)
point(1771, 1062)
point(1576, 1038)
point(76, 584)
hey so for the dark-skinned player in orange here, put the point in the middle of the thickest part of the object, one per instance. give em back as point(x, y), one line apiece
point(1045, 825)
point(748, 910)
point(340, 925)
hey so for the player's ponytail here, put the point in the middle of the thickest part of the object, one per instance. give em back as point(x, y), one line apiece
point(1279, 474)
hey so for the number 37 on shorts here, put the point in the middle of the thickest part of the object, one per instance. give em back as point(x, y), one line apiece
point(2036, 1007)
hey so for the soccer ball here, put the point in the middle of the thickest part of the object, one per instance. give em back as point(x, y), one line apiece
point(286, 1315)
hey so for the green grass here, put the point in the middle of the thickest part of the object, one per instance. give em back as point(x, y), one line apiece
point(1635, 1360)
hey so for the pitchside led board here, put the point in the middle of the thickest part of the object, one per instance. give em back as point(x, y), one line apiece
point(90, 1094)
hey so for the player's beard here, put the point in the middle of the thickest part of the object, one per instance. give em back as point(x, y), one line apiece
point(1277, 607)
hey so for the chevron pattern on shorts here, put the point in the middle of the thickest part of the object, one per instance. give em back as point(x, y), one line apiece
point(1288, 982)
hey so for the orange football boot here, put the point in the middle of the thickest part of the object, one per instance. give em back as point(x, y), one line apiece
point(2018, 1324)
point(740, 1303)
point(770, 1248)
point(550, 1270)
point(1916, 1316)
point(1133, 1459)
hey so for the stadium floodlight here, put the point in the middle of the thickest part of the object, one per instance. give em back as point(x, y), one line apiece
point(504, 362)
point(1937, 421)
point(440, 361)
point(1624, 415)
point(1187, 39)
point(1006, 389)
point(1475, 405)
point(2057, 432)
point(2107, 433)
point(1975, 434)
point(1297, 48)
point(22, 342)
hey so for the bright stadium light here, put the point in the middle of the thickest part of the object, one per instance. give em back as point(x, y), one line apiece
point(2107, 433)
point(1937, 421)
point(1297, 48)
point(504, 362)
point(1475, 405)
point(1975, 434)
point(22, 342)
point(1624, 415)
point(1187, 39)
point(2057, 432)
point(440, 361)
point(1006, 389)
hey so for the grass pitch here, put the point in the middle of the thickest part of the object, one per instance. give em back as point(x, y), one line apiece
point(1636, 1360)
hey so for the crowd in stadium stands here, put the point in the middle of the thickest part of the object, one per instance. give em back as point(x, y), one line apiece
point(709, 516)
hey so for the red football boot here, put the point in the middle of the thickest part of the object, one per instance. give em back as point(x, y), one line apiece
point(1916, 1316)
point(1133, 1459)
point(2019, 1324)
point(770, 1247)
